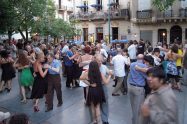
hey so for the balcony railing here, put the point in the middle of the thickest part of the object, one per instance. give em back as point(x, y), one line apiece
point(144, 14)
point(183, 12)
point(70, 9)
point(149, 16)
point(117, 14)
point(165, 15)
point(62, 8)
point(121, 13)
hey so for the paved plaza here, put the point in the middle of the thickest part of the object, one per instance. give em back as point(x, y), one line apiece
point(74, 111)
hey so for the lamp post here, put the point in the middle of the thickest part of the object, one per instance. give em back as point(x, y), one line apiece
point(164, 34)
point(109, 20)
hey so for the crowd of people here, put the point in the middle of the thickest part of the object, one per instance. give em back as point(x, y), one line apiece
point(147, 74)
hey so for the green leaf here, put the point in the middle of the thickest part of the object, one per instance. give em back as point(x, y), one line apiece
point(163, 5)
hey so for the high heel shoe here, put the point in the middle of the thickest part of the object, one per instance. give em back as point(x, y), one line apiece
point(8, 90)
point(36, 109)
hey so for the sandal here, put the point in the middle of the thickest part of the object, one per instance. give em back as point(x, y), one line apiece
point(24, 101)
point(36, 109)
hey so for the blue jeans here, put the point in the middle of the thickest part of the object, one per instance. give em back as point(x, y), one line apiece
point(104, 107)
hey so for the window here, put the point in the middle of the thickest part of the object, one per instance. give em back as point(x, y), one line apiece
point(143, 6)
point(183, 3)
point(99, 33)
point(99, 2)
point(85, 3)
point(85, 34)
point(186, 33)
point(59, 2)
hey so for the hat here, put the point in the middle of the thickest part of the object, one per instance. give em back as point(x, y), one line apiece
point(4, 116)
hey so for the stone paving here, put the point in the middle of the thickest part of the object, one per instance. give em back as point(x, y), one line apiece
point(74, 111)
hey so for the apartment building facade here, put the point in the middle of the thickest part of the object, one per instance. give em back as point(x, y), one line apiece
point(92, 17)
point(150, 24)
point(129, 19)
point(64, 8)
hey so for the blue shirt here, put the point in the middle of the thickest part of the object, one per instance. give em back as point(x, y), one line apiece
point(67, 61)
point(137, 77)
point(55, 64)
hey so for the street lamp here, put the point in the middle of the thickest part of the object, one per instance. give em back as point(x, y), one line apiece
point(163, 34)
point(109, 20)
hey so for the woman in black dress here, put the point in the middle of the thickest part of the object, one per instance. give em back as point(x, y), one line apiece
point(40, 83)
point(8, 71)
point(95, 97)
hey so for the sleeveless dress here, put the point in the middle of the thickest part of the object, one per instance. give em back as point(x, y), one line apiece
point(95, 95)
point(26, 78)
point(39, 86)
point(8, 72)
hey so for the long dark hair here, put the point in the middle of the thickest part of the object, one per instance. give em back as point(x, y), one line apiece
point(174, 48)
point(23, 60)
point(19, 119)
point(94, 73)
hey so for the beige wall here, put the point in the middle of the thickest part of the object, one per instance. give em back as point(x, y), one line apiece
point(122, 27)
point(155, 28)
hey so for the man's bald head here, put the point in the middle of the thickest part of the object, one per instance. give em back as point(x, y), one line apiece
point(98, 46)
point(140, 56)
point(99, 58)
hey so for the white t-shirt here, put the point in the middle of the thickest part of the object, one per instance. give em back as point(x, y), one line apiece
point(103, 52)
point(119, 62)
point(65, 49)
point(156, 60)
point(132, 51)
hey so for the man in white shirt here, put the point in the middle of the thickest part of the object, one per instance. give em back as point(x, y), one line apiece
point(100, 50)
point(119, 62)
point(132, 52)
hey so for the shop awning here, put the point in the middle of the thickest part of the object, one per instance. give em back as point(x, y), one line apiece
point(82, 7)
point(119, 41)
point(113, 4)
point(96, 5)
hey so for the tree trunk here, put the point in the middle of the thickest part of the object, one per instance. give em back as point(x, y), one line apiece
point(47, 39)
point(23, 36)
point(9, 35)
point(27, 37)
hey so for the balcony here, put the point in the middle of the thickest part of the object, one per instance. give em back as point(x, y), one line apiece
point(183, 13)
point(179, 15)
point(121, 14)
point(80, 16)
point(144, 16)
point(62, 8)
point(150, 16)
point(168, 14)
point(70, 9)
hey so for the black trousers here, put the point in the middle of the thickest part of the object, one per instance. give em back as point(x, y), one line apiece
point(69, 71)
point(54, 84)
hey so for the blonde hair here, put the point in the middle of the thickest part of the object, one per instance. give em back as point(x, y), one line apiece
point(39, 55)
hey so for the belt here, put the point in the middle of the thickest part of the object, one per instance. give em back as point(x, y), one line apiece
point(136, 85)
point(54, 74)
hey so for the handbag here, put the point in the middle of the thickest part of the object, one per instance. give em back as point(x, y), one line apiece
point(171, 68)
